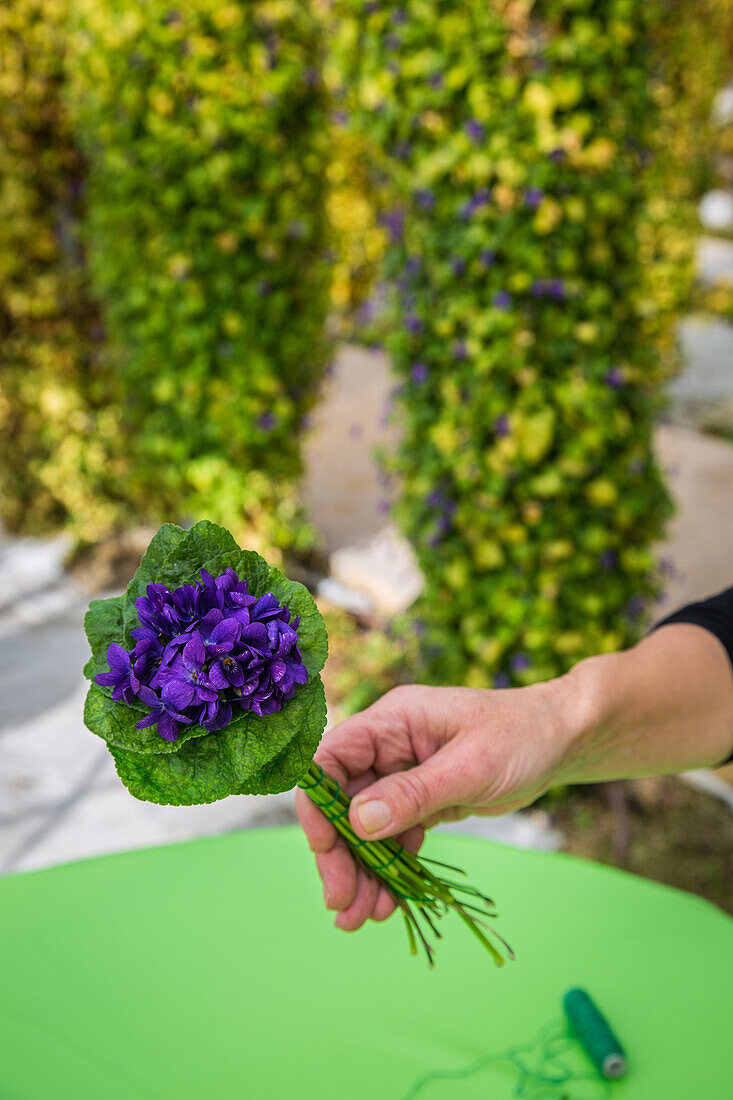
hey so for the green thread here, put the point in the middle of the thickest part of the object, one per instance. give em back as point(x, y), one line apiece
point(325, 805)
point(542, 1068)
point(337, 817)
point(384, 866)
point(317, 783)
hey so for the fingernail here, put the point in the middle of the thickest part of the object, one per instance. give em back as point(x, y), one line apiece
point(374, 816)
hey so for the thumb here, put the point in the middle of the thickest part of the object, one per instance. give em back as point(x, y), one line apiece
point(407, 798)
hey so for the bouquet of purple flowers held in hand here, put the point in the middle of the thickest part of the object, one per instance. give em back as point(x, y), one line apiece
point(205, 683)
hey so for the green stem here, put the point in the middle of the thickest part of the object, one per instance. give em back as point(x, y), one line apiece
point(418, 892)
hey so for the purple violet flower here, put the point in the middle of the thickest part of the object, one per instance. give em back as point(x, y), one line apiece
point(533, 196)
point(419, 372)
point(502, 426)
point(502, 300)
point(122, 677)
point(614, 378)
point(204, 648)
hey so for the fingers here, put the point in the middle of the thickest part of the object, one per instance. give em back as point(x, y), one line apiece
point(319, 831)
point(362, 906)
point(400, 801)
point(339, 874)
point(384, 906)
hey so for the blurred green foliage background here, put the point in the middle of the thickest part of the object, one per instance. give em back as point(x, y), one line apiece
point(194, 198)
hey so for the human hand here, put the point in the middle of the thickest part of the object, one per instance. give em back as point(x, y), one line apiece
point(421, 755)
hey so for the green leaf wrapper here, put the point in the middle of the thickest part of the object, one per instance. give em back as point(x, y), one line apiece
point(253, 755)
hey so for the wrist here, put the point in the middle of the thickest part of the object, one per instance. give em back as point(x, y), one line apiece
point(589, 699)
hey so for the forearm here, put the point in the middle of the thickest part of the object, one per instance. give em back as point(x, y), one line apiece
point(664, 706)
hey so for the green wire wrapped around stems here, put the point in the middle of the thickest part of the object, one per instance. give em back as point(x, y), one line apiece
point(422, 896)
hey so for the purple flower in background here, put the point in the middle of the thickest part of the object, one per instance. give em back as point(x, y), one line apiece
point(394, 223)
point(412, 265)
point(533, 196)
point(614, 378)
point(436, 81)
point(419, 372)
point(458, 265)
point(502, 426)
point(413, 325)
point(402, 150)
point(548, 288)
point(557, 156)
point(267, 421)
point(460, 351)
point(635, 607)
point(608, 559)
point(519, 662)
point(425, 198)
point(203, 650)
point(399, 16)
point(501, 680)
point(502, 300)
point(479, 199)
point(487, 257)
point(475, 130)
point(383, 507)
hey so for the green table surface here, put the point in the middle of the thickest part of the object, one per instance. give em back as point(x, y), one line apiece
point(211, 970)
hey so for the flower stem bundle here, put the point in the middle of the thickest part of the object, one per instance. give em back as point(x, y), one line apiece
point(422, 896)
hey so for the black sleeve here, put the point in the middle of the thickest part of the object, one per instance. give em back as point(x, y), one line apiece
point(715, 615)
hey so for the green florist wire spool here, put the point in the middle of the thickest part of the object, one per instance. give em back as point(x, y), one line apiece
point(594, 1034)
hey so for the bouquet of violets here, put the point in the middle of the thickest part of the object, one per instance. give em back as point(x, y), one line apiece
point(205, 683)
